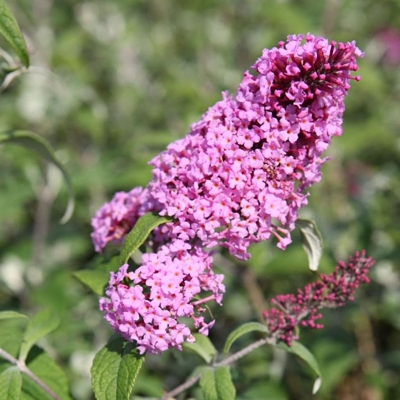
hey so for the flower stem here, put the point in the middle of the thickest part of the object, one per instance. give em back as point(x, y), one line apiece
point(209, 298)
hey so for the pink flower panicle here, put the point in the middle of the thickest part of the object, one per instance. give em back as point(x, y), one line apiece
point(145, 305)
point(330, 291)
point(239, 176)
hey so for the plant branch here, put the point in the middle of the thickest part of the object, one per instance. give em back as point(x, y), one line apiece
point(241, 353)
point(179, 389)
point(24, 369)
point(229, 360)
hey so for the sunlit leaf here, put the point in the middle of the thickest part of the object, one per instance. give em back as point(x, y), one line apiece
point(114, 369)
point(305, 355)
point(216, 384)
point(202, 347)
point(312, 242)
point(10, 384)
point(242, 330)
point(40, 325)
point(139, 234)
point(11, 314)
point(10, 30)
point(40, 145)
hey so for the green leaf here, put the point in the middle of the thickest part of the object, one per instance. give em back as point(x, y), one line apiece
point(216, 384)
point(95, 280)
point(49, 372)
point(11, 334)
point(139, 234)
point(202, 347)
point(312, 241)
point(107, 265)
point(242, 330)
point(11, 314)
point(41, 146)
point(114, 369)
point(10, 30)
point(10, 384)
point(305, 354)
point(40, 325)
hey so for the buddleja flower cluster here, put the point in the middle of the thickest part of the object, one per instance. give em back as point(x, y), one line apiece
point(144, 305)
point(330, 291)
point(240, 175)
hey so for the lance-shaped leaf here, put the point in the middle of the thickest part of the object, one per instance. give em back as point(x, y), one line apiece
point(305, 354)
point(202, 347)
point(10, 30)
point(11, 315)
point(40, 145)
point(40, 325)
point(115, 369)
point(242, 330)
point(139, 234)
point(312, 242)
point(216, 384)
point(10, 384)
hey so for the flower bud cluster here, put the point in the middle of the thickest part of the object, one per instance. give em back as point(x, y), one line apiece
point(330, 291)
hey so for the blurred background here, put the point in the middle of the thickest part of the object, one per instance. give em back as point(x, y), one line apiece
point(111, 84)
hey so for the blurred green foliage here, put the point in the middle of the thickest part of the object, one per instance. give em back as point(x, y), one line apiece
point(111, 84)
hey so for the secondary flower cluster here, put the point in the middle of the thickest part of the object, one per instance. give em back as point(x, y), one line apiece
point(145, 305)
point(331, 291)
point(117, 217)
point(237, 178)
